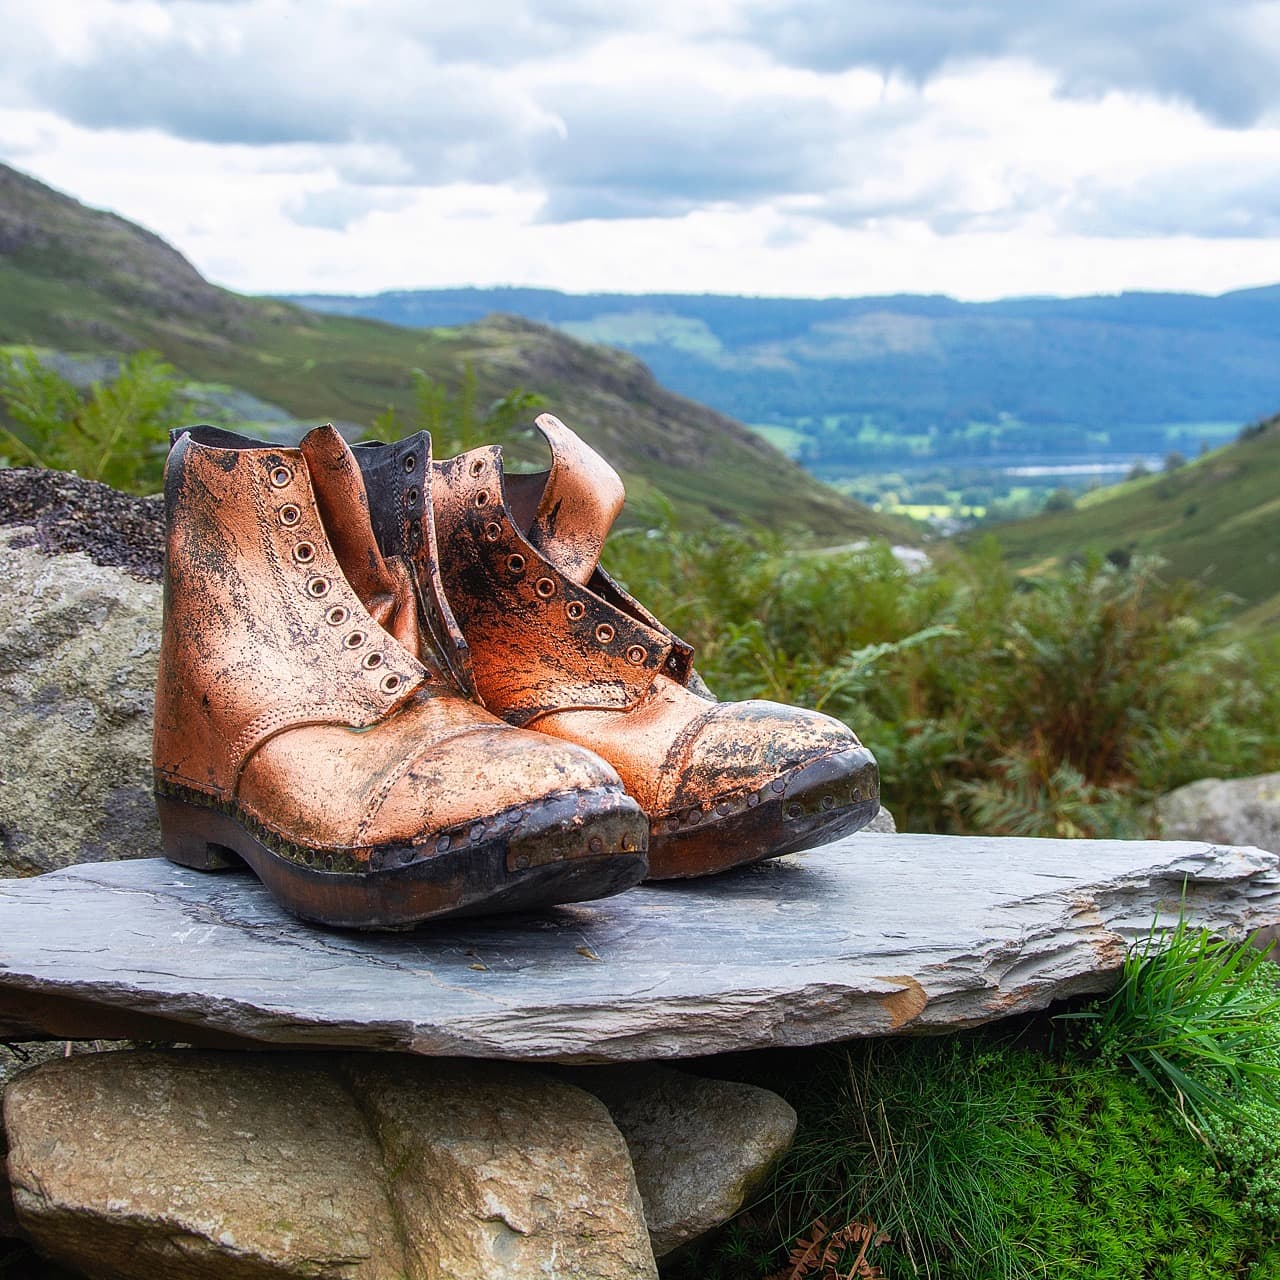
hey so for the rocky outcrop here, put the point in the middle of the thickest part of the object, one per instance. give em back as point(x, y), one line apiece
point(40, 226)
point(868, 936)
point(77, 685)
point(1231, 811)
point(699, 1147)
point(180, 1165)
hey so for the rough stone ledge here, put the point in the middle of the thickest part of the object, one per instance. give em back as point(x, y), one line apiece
point(869, 936)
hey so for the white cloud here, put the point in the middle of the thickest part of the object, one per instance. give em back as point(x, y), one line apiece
point(764, 146)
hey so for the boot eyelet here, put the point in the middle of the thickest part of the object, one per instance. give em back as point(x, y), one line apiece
point(492, 531)
point(415, 537)
point(354, 640)
point(604, 633)
point(304, 553)
point(515, 563)
point(372, 661)
point(410, 463)
point(318, 588)
point(545, 588)
point(574, 610)
point(412, 496)
point(336, 616)
point(290, 515)
point(482, 498)
point(636, 654)
point(390, 682)
point(280, 476)
point(477, 466)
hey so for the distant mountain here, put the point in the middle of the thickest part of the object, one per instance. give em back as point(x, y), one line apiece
point(78, 280)
point(1216, 519)
point(903, 378)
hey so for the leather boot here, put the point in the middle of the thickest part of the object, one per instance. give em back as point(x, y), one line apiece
point(307, 721)
point(557, 645)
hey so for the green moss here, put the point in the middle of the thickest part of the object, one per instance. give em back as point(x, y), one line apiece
point(984, 1160)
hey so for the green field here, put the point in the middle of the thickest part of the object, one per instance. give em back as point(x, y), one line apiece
point(1215, 520)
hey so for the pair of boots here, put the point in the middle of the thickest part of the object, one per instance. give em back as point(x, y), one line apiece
point(401, 689)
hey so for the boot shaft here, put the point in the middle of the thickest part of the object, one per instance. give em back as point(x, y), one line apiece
point(540, 639)
point(262, 629)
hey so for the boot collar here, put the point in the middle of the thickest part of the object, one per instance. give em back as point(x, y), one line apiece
point(581, 496)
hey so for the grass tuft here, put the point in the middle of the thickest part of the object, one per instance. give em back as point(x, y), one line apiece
point(1196, 1017)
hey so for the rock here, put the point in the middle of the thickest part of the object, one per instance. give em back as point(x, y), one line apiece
point(501, 1173)
point(159, 1165)
point(1236, 811)
point(16, 1058)
point(881, 825)
point(867, 936)
point(19, 1056)
point(8, 1218)
point(169, 1166)
point(77, 685)
point(699, 1147)
point(62, 512)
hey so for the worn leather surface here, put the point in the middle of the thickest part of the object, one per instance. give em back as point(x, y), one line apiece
point(249, 649)
point(539, 641)
point(557, 645)
point(295, 677)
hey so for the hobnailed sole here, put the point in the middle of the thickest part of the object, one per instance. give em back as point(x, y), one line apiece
point(573, 847)
point(813, 805)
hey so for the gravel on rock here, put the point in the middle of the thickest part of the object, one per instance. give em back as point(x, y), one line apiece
point(67, 513)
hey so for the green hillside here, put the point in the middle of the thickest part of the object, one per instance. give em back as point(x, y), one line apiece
point(1216, 520)
point(865, 384)
point(75, 279)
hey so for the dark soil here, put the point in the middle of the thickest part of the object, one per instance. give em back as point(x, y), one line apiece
point(70, 514)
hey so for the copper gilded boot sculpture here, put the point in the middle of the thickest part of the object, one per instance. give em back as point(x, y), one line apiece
point(309, 720)
point(555, 644)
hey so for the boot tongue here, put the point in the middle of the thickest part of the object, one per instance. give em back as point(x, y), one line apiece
point(385, 587)
point(580, 500)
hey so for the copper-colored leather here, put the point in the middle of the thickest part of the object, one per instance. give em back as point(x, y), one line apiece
point(300, 690)
point(557, 645)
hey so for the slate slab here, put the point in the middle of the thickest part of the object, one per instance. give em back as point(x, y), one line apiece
point(867, 936)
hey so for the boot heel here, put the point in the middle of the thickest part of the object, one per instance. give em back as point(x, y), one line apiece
point(187, 834)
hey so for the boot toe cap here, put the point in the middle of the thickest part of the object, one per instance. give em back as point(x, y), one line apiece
point(756, 780)
point(741, 747)
point(485, 776)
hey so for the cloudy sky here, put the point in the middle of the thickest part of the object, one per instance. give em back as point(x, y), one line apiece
point(809, 147)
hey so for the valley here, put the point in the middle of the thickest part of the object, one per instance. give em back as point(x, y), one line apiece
point(853, 387)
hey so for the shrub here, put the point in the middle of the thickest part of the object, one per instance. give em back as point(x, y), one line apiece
point(455, 421)
point(117, 432)
point(1054, 706)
